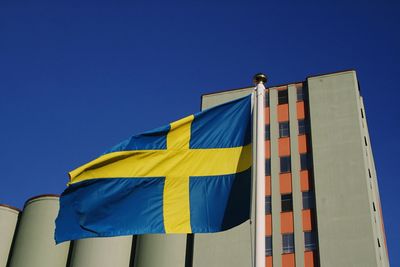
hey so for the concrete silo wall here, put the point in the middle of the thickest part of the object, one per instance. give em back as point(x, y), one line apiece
point(34, 242)
point(8, 222)
point(102, 252)
point(161, 250)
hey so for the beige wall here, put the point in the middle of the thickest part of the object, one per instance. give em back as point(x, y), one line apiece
point(343, 201)
point(374, 192)
point(160, 250)
point(34, 244)
point(8, 222)
point(102, 252)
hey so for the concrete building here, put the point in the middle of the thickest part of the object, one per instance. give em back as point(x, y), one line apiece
point(322, 198)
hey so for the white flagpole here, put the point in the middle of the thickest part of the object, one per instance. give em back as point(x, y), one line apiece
point(259, 80)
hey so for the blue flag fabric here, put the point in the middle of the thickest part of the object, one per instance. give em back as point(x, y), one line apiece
point(191, 176)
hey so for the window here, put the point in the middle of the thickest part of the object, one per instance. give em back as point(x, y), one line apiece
point(309, 241)
point(285, 164)
point(302, 127)
point(308, 200)
point(379, 243)
point(300, 95)
point(287, 243)
point(369, 173)
point(268, 206)
point(286, 202)
point(284, 130)
point(266, 102)
point(303, 162)
point(267, 132)
point(267, 167)
point(268, 246)
point(373, 206)
point(362, 114)
point(283, 97)
point(365, 141)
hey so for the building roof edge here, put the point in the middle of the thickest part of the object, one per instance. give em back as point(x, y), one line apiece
point(10, 207)
point(40, 196)
point(278, 85)
point(330, 73)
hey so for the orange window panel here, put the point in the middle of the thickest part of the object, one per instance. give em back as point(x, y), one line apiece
point(309, 259)
point(284, 146)
point(268, 225)
point(268, 261)
point(285, 183)
point(307, 225)
point(300, 110)
point(266, 115)
point(267, 185)
point(304, 181)
point(288, 260)
point(286, 222)
point(267, 149)
point(283, 112)
point(302, 144)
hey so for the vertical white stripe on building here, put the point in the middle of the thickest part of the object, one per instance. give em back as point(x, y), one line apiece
point(275, 189)
point(296, 190)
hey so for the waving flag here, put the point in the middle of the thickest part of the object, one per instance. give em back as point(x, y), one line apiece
point(192, 176)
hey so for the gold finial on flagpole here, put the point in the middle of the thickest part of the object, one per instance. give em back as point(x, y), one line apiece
point(260, 78)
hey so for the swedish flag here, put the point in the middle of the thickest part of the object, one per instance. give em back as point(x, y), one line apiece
point(192, 176)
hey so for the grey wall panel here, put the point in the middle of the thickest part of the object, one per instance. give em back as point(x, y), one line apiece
point(161, 250)
point(8, 222)
point(229, 248)
point(345, 228)
point(233, 247)
point(296, 191)
point(275, 188)
point(374, 188)
point(102, 252)
point(215, 99)
point(34, 244)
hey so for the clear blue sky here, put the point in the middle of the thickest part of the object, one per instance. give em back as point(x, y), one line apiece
point(78, 77)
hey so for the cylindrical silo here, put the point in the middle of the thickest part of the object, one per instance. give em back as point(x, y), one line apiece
point(8, 222)
point(102, 252)
point(34, 243)
point(161, 250)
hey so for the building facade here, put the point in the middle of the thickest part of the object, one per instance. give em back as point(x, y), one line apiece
point(322, 198)
point(322, 205)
